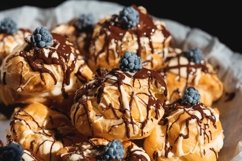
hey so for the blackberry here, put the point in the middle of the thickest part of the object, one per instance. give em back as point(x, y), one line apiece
point(130, 62)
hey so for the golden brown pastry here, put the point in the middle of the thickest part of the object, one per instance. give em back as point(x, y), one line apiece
point(10, 37)
point(186, 133)
point(100, 149)
point(9, 41)
point(133, 30)
point(120, 105)
point(78, 31)
point(43, 131)
point(49, 73)
point(181, 71)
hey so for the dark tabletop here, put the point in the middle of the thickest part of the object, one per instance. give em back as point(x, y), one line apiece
point(222, 20)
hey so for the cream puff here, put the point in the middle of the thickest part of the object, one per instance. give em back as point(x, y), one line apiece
point(133, 30)
point(189, 130)
point(10, 37)
point(43, 131)
point(103, 150)
point(188, 68)
point(46, 67)
point(126, 103)
point(78, 31)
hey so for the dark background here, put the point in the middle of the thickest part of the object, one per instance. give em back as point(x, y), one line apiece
point(223, 20)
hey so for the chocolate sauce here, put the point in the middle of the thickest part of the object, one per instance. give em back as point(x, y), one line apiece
point(24, 31)
point(154, 78)
point(155, 156)
point(30, 155)
point(131, 154)
point(25, 118)
point(113, 31)
point(215, 153)
point(38, 59)
point(191, 68)
point(82, 78)
point(136, 157)
point(4, 78)
point(85, 32)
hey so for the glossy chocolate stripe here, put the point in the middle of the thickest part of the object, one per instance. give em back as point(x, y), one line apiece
point(116, 78)
point(63, 49)
point(187, 109)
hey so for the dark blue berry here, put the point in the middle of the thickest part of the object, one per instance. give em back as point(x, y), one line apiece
point(11, 152)
point(8, 26)
point(114, 150)
point(84, 22)
point(191, 96)
point(194, 55)
point(128, 18)
point(41, 38)
point(130, 62)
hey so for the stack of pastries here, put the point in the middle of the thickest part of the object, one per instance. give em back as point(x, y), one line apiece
point(112, 90)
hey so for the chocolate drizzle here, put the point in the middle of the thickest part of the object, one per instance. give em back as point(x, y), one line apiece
point(215, 153)
point(113, 32)
point(132, 152)
point(204, 127)
point(155, 156)
point(191, 68)
point(30, 156)
point(116, 78)
point(39, 58)
point(51, 132)
point(86, 33)
point(24, 31)
point(133, 156)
